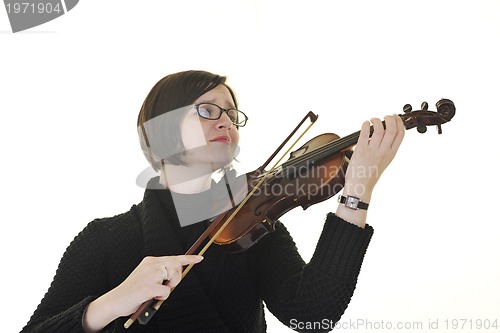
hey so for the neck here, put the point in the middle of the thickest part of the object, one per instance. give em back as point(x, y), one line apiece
point(184, 179)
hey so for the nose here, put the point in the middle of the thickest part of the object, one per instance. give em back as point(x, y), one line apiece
point(224, 121)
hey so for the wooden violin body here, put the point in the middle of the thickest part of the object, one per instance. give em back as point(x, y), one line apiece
point(291, 185)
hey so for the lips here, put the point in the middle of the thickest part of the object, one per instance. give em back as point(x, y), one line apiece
point(223, 139)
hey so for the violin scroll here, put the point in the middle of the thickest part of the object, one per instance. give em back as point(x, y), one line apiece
point(423, 118)
point(446, 108)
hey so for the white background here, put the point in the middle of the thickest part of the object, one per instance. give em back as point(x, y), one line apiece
point(70, 91)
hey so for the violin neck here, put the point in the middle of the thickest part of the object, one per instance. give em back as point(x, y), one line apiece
point(326, 151)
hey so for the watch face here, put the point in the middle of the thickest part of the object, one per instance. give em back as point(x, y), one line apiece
point(352, 202)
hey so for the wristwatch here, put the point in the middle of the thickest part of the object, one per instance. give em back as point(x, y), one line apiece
point(352, 202)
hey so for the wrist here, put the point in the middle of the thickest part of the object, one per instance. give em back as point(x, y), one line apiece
point(350, 214)
point(359, 190)
point(99, 314)
point(352, 202)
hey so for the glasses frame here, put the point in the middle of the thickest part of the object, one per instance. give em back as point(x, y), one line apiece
point(196, 106)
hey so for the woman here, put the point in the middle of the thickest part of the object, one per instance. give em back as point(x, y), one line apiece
point(189, 128)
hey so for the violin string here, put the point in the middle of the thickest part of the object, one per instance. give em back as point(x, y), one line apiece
point(324, 151)
point(327, 149)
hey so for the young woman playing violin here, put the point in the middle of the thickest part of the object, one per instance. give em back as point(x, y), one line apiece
point(116, 264)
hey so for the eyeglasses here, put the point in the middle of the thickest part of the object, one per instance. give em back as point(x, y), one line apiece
point(214, 112)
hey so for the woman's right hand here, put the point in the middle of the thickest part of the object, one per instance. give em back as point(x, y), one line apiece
point(144, 283)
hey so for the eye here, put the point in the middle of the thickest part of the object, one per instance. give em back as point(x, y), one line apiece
point(233, 115)
point(208, 111)
point(203, 112)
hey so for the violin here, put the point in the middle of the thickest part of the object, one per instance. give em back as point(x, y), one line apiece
point(313, 173)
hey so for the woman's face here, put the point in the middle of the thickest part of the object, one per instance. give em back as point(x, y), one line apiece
point(208, 141)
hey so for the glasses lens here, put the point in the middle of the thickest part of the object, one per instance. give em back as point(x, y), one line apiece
point(237, 117)
point(234, 116)
point(209, 111)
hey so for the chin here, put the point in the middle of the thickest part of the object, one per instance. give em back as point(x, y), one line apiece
point(217, 158)
point(223, 157)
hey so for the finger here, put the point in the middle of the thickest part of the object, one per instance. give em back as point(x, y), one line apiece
point(364, 135)
point(174, 281)
point(401, 132)
point(174, 275)
point(187, 259)
point(378, 132)
point(165, 274)
point(391, 129)
point(174, 272)
point(162, 292)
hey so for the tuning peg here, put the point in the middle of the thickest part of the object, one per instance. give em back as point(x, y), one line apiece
point(424, 106)
point(407, 108)
point(421, 128)
point(440, 131)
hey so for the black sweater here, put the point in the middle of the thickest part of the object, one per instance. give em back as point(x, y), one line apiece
point(224, 293)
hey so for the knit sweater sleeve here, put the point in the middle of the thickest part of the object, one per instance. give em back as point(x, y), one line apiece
point(79, 279)
point(320, 290)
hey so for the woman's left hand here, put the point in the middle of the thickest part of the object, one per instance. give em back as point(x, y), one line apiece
point(372, 155)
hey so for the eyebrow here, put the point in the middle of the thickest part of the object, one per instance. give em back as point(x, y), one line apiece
point(231, 105)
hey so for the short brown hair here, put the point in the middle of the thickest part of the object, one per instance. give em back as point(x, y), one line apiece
point(172, 92)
